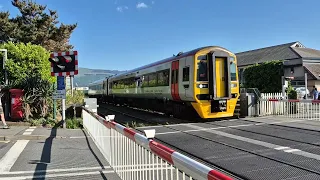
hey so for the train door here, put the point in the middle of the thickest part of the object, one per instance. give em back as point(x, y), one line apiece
point(221, 77)
point(106, 87)
point(175, 80)
point(186, 65)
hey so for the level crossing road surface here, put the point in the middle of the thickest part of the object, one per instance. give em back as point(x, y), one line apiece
point(45, 153)
point(252, 148)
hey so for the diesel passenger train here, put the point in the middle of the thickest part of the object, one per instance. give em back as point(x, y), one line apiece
point(202, 82)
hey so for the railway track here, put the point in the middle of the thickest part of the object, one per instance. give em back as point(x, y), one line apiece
point(237, 129)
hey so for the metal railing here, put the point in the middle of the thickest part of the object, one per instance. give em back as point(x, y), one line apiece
point(300, 109)
point(135, 157)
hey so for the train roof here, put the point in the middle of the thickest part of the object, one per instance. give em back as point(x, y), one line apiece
point(97, 82)
point(188, 53)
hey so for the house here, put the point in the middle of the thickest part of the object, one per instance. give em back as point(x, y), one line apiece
point(297, 60)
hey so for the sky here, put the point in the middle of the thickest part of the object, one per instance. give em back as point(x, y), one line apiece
point(126, 34)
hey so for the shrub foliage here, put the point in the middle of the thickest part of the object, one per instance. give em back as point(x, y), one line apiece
point(266, 76)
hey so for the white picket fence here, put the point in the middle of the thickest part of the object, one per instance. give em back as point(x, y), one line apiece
point(278, 105)
point(272, 96)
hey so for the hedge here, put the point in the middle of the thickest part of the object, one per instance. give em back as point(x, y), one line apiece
point(265, 76)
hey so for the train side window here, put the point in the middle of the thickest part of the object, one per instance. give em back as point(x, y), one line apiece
point(163, 78)
point(166, 76)
point(152, 80)
point(186, 74)
point(144, 82)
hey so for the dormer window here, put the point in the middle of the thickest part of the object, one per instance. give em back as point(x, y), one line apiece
point(292, 70)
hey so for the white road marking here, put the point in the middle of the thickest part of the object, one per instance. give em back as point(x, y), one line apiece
point(56, 170)
point(242, 125)
point(59, 175)
point(27, 133)
point(170, 132)
point(292, 150)
point(260, 143)
point(281, 148)
point(79, 137)
point(12, 155)
point(220, 127)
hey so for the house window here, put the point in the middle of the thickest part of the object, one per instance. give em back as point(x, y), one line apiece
point(292, 70)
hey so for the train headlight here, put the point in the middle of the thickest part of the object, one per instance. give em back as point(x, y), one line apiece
point(202, 85)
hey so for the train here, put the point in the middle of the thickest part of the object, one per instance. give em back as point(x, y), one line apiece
point(199, 83)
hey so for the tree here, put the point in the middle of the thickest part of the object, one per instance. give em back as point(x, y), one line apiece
point(35, 26)
point(27, 60)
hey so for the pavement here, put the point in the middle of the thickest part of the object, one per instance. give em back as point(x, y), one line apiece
point(45, 153)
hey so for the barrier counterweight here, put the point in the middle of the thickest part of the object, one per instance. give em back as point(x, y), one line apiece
point(134, 157)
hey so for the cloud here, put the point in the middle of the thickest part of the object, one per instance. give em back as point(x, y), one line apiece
point(122, 8)
point(141, 5)
point(152, 2)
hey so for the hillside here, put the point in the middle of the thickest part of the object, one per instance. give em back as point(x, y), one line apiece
point(87, 76)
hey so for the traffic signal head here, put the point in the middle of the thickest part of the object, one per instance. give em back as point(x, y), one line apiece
point(64, 63)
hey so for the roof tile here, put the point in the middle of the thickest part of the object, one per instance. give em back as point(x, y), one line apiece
point(279, 52)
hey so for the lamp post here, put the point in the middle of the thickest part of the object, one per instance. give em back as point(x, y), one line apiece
point(4, 57)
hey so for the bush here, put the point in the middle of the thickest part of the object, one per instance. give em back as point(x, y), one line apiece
point(74, 123)
point(25, 60)
point(36, 101)
point(42, 122)
point(76, 99)
point(266, 76)
point(292, 94)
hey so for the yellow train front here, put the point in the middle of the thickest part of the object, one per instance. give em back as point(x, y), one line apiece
point(216, 85)
point(199, 83)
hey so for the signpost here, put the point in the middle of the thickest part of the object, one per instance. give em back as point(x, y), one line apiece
point(5, 56)
point(63, 64)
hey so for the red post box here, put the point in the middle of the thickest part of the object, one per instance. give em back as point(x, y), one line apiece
point(16, 103)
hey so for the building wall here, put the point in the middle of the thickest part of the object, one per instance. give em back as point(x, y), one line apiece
point(312, 83)
point(298, 71)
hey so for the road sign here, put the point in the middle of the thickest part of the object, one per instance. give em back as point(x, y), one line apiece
point(60, 83)
point(64, 63)
point(61, 91)
point(59, 94)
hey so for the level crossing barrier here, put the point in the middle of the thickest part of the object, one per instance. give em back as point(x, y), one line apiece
point(291, 108)
point(135, 157)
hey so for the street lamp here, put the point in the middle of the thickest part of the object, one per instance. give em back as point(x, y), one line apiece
point(4, 57)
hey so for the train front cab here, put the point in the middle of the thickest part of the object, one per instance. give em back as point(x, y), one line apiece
point(216, 83)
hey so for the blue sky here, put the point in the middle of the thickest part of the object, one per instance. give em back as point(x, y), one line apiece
point(125, 34)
